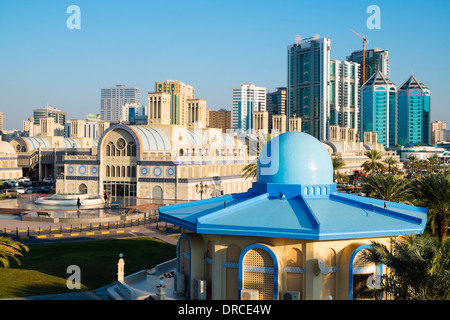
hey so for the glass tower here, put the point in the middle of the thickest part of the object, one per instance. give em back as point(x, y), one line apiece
point(379, 109)
point(414, 112)
point(308, 77)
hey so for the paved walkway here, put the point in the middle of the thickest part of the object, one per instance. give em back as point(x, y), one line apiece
point(11, 222)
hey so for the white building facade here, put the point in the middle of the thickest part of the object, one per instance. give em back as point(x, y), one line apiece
point(112, 100)
point(245, 100)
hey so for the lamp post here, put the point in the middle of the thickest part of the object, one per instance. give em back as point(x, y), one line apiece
point(201, 188)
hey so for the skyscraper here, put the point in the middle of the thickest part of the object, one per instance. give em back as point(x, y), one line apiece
point(112, 100)
point(414, 108)
point(344, 94)
point(376, 60)
point(179, 93)
point(244, 101)
point(308, 76)
point(59, 116)
point(379, 109)
point(276, 103)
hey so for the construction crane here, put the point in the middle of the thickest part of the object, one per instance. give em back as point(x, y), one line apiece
point(364, 55)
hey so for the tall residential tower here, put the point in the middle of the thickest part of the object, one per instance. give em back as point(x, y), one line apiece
point(344, 94)
point(379, 109)
point(245, 100)
point(308, 77)
point(112, 100)
point(276, 104)
point(414, 112)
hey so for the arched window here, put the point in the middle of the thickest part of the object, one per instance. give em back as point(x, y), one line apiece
point(360, 274)
point(129, 149)
point(157, 192)
point(294, 270)
point(258, 268)
point(123, 171)
point(82, 188)
point(128, 171)
point(118, 171)
point(113, 171)
point(108, 172)
point(133, 171)
point(184, 261)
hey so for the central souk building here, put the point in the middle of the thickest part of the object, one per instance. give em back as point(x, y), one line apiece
point(290, 236)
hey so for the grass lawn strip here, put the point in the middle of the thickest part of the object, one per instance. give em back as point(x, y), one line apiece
point(43, 269)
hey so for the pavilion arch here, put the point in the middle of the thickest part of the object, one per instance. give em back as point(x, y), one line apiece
point(329, 280)
point(259, 269)
point(354, 271)
point(184, 260)
point(294, 270)
point(190, 248)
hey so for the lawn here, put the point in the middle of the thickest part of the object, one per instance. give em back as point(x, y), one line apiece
point(43, 269)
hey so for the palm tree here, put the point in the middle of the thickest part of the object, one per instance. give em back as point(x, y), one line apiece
point(433, 192)
point(10, 249)
point(373, 164)
point(391, 164)
point(338, 164)
point(249, 171)
point(433, 161)
point(418, 268)
point(387, 188)
point(413, 163)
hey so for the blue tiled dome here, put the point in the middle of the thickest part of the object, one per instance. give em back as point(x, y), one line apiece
point(295, 158)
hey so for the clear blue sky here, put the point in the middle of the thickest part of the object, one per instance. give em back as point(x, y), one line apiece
point(212, 45)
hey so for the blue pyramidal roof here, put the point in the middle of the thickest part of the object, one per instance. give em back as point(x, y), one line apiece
point(302, 205)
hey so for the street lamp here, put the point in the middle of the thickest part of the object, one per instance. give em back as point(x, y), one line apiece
point(201, 188)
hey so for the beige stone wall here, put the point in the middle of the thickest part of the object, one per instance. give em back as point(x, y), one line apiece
point(289, 253)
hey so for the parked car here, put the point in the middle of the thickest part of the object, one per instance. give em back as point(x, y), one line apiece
point(41, 190)
point(25, 181)
point(48, 180)
point(20, 189)
point(29, 190)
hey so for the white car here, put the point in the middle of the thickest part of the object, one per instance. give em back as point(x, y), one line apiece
point(20, 189)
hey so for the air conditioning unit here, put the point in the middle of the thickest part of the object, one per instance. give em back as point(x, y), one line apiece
point(291, 295)
point(249, 294)
point(178, 283)
point(199, 289)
